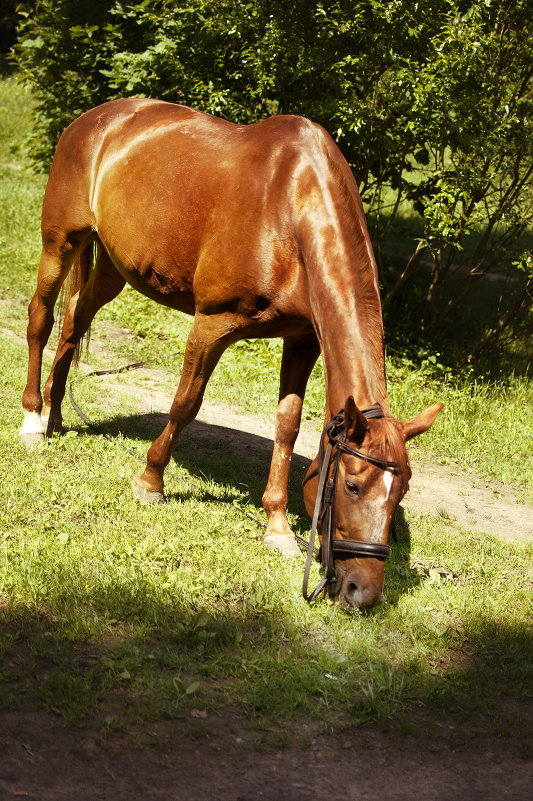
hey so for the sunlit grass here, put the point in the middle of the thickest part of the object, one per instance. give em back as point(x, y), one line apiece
point(116, 613)
point(179, 606)
point(20, 206)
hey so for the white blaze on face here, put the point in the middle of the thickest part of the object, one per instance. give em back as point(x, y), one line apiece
point(387, 480)
point(377, 517)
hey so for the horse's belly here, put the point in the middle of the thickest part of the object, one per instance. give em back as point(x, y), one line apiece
point(149, 244)
point(159, 287)
point(151, 218)
point(159, 276)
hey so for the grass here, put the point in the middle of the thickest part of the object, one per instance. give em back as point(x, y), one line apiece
point(20, 206)
point(179, 607)
point(116, 614)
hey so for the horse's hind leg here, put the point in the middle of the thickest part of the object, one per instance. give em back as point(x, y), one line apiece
point(299, 357)
point(55, 263)
point(207, 340)
point(103, 285)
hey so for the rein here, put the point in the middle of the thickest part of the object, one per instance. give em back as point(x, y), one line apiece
point(132, 366)
point(327, 471)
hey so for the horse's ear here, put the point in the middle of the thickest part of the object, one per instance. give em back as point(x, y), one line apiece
point(354, 422)
point(421, 422)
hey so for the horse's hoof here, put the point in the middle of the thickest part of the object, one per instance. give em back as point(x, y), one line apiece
point(144, 495)
point(31, 441)
point(284, 543)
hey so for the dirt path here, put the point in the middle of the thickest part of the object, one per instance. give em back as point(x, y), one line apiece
point(42, 760)
point(473, 502)
point(469, 500)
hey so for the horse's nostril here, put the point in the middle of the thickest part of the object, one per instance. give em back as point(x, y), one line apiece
point(358, 593)
point(351, 588)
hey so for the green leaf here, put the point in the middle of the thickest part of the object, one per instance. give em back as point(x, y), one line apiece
point(33, 43)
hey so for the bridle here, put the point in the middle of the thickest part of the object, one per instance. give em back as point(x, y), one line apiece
point(327, 471)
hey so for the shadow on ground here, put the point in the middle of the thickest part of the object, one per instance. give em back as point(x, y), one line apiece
point(242, 461)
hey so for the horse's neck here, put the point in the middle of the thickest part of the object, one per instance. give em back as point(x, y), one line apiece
point(353, 360)
point(345, 303)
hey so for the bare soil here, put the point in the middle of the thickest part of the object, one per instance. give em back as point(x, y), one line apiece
point(42, 759)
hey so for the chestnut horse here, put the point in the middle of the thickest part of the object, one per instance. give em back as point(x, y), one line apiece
point(256, 231)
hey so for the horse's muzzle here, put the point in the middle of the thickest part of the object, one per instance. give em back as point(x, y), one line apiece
point(356, 594)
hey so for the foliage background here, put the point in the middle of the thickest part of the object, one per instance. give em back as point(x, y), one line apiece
point(429, 101)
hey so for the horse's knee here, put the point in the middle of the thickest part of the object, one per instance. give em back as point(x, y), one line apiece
point(287, 423)
point(185, 408)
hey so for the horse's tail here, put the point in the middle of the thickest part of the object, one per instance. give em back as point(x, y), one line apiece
point(77, 278)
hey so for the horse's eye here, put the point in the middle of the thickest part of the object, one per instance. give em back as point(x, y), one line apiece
point(352, 488)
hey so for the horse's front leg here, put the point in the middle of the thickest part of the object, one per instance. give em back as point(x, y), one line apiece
point(207, 341)
point(299, 357)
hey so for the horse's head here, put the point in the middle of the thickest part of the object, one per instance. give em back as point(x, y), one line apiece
point(364, 474)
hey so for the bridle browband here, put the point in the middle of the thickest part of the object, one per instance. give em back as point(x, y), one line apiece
point(327, 471)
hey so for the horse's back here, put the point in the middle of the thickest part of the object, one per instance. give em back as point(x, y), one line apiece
point(191, 208)
point(166, 147)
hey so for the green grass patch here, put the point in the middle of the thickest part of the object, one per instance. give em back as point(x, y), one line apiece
point(20, 207)
point(115, 613)
point(120, 613)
